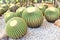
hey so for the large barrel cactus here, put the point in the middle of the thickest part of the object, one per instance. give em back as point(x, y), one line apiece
point(33, 17)
point(16, 28)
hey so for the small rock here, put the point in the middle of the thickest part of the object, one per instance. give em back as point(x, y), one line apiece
point(2, 34)
point(57, 22)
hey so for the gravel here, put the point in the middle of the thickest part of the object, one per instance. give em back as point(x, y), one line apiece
point(47, 31)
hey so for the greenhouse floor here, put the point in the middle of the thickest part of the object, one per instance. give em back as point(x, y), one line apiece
point(47, 31)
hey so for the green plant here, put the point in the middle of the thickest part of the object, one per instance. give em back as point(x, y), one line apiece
point(33, 17)
point(19, 11)
point(1, 11)
point(42, 8)
point(8, 15)
point(51, 14)
point(5, 7)
point(16, 28)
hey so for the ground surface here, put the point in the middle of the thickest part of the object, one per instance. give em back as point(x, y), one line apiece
point(47, 31)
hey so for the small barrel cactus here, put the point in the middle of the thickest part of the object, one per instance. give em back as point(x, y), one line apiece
point(51, 14)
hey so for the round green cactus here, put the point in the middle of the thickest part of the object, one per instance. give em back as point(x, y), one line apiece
point(58, 0)
point(51, 14)
point(19, 11)
point(1, 11)
point(33, 17)
point(5, 7)
point(16, 27)
point(8, 15)
point(42, 8)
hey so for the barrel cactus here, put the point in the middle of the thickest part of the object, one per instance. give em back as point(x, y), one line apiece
point(33, 17)
point(16, 28)
point(51, 14)
point(1, 11)
point(5, 7)
point(19, 11)
point(44, 4)
point(42, 8)
point(8, 15)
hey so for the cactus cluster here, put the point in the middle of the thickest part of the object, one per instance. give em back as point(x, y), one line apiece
point(18, 18)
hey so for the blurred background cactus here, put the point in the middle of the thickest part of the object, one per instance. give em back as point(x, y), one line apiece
point(28, 2)
point(58, 0)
